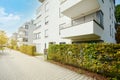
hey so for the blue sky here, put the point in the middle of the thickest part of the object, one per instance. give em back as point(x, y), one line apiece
point(13, 13)
point(117, 1)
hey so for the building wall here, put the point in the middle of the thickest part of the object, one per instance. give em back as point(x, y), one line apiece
point(25, 33)
point(109, 20)
point(49, 32)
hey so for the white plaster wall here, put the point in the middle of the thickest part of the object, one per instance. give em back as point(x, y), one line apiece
point(107, 21)
point(55, 20)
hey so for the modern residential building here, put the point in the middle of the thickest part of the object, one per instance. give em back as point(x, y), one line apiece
point(14, 36)
point(74, 21)
point(25, 33)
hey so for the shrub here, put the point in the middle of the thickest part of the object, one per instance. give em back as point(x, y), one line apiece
point(28, 49)
point(99, 58)
point(1, 48)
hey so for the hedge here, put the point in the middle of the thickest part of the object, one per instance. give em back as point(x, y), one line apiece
point(13, 47)
point(99, 58)
point(28, 49)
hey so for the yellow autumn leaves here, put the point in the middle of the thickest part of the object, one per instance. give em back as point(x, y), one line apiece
point(3, 38)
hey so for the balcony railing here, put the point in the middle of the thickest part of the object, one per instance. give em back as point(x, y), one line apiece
point(91, 17)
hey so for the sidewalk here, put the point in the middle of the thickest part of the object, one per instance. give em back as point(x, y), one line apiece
point(17, 66)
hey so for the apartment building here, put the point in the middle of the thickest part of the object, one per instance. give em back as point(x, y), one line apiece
point(74, 21)
point(14, 36)
point(25, 33)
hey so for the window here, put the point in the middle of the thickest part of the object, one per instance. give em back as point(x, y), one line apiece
point(110, 13)
point(46, 20)
point(38, 35)
point(110, 31)
point(62, 43)
point(25, 40)
point(38, 27)
point(103, 1)
point(52, 42)
point(26, 26)
point(26, 33)
point(62, 26)
point(46, 7)
point(46, 33)
point(39, 16)
point(100, 17)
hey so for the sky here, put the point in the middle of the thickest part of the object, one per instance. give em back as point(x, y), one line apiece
point(117, 2)
point(14, 13)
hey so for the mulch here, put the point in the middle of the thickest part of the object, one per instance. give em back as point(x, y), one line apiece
point(81, 71)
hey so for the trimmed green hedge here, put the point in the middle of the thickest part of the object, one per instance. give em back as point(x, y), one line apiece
point(99, 58)
point(13, 47)
point(28, 49)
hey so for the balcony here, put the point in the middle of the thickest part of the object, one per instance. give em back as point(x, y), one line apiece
point(86, 31)
point(78, 8)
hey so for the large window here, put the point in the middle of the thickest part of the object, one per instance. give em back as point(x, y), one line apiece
point(100, 17)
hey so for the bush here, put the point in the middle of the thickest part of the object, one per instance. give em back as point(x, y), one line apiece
point(28, 49)
point(99, 58)
point(1, 48)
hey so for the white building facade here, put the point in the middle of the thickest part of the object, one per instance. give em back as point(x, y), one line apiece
point(14, 36)
point(25, 33)
point(74, 21)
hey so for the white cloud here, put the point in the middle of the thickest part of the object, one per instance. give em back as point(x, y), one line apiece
point(8, 21)
point(7, 17)
point(2, 12)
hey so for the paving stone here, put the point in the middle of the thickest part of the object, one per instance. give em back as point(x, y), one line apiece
point(15, 65)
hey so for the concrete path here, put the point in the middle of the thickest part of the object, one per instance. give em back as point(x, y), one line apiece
point(17, 66)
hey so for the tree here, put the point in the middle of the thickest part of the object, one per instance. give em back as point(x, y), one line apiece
point(13, 42)
point(3, 39)
point(117, 13)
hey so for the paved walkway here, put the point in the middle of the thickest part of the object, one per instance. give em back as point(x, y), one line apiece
point(17, 66)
